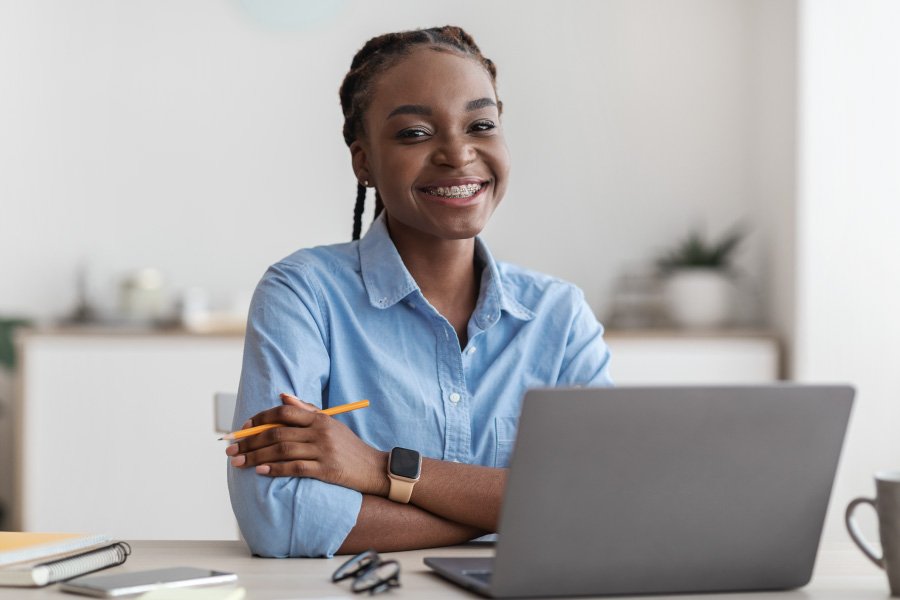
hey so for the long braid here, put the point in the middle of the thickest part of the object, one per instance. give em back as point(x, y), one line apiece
point(358, 210)
point(376, 56)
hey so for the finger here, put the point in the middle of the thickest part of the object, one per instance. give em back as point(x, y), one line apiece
point(295, 401)
point(274, 436)
point(294, 468)
point(281, 452)
point(285, 414)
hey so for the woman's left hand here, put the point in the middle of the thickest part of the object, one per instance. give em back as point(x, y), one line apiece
point(310, 444)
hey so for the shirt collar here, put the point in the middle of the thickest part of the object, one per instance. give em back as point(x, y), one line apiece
point(387, 281)
point(384, 274)
point(495, 295)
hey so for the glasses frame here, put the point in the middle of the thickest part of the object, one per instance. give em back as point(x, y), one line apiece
point(363, 564)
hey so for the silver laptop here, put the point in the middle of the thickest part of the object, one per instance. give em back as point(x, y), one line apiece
point(650, 490)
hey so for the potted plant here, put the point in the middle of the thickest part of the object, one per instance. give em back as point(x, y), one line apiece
point(698, 284)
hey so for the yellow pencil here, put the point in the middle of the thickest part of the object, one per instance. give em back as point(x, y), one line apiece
point(334, 410)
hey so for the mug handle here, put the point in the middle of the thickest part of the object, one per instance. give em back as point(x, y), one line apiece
point(857, 536)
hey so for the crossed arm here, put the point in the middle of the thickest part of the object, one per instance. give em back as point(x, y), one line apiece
point(451, 503)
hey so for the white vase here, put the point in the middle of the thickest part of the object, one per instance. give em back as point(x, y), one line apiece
point(699, 297)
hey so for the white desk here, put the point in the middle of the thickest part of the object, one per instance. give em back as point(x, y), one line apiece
point(841, 574)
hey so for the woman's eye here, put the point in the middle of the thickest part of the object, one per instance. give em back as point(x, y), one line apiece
point(412, 133)
point(483, 125)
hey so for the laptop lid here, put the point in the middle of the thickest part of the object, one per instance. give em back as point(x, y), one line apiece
point(647, 490)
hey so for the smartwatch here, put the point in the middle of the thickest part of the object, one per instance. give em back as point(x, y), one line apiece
point(404, 469)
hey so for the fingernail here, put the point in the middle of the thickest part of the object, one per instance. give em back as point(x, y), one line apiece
point(263, 469)
point(238, 460)
point(231, 450)
point(247, 424)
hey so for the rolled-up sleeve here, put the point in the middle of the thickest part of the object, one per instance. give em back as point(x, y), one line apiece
point(286, 350)
point(586, 358)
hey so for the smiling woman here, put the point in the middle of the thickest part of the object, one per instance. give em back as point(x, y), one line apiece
point(416, 316)
point(396, 111)
point(433, 147)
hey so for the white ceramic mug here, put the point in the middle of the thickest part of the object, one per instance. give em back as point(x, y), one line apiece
point(887, 505)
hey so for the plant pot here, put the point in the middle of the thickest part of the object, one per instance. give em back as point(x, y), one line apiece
point(699, 297)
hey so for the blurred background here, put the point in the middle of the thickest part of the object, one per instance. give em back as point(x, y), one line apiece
point(157, 156)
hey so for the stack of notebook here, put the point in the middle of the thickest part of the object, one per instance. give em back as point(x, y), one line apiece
point(36, 559)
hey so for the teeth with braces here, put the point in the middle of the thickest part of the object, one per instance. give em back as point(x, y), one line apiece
point(456, 191)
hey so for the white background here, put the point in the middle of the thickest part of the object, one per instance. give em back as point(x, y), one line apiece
point(848, 215)
point(193, 137)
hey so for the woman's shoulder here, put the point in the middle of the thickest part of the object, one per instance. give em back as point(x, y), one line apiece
point(335, 263)
point(329, 259)
point(532, 287)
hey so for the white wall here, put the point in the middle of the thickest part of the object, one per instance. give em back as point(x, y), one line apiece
point(192, 137)
point(772, 181)
point(848, 285)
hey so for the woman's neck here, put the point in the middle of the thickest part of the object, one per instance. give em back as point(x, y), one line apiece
point(444, 270)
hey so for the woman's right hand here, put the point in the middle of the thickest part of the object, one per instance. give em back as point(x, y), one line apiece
point(311, 444)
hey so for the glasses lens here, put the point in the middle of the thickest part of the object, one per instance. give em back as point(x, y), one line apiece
point(355, 565)
point(378, 578)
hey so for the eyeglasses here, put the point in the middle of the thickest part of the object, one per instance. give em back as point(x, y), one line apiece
point(369, 572)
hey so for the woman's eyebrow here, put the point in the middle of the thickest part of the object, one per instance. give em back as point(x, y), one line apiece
point(480, 103)
point(419, 109)
point(410, 109)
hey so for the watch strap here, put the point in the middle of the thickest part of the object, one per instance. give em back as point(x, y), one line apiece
point(401, 491)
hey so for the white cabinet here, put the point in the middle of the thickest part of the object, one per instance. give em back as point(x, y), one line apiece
point(116, 434)
point(693, 357)
point(6, 446)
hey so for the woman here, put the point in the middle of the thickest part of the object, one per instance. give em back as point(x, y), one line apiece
point(416, 316)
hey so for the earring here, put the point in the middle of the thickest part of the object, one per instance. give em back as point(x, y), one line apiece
point(365, 183)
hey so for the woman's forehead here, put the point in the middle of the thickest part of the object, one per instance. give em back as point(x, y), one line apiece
point(429, 77)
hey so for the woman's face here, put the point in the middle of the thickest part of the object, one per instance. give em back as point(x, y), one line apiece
point(433, 146)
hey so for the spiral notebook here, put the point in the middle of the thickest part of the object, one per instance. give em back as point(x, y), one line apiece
point(38, 559)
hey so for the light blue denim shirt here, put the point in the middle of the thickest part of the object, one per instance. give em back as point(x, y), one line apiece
point(335, 324)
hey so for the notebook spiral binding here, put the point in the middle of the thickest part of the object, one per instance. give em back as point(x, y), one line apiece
point(66, 568)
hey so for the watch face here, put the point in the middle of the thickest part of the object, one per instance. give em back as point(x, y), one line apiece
point(405, 463)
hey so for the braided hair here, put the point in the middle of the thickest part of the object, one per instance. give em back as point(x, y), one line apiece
point(376, 56)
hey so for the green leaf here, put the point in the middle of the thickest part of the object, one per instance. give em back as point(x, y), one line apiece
point(694, 251)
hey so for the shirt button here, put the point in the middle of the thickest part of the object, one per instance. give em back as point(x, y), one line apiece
point(472, 350)
point(454, 397)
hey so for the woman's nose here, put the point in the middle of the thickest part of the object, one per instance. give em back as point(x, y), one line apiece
point(454, 151)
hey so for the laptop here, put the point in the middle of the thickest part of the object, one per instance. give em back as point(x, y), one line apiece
point(660, 490)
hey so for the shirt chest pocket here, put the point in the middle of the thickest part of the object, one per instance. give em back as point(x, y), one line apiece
point(505, 437)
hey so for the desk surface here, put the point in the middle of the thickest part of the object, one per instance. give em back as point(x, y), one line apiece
point(841, 573)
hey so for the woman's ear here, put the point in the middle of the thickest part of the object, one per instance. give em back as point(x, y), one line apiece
point(359, 158)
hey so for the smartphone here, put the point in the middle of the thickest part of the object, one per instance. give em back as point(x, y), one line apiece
point(138, 582)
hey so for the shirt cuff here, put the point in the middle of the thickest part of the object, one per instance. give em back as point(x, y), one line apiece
point(291, 516)
point(324, 515)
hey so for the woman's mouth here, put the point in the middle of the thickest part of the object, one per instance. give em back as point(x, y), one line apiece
point(455, 191)
point(465, 194)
